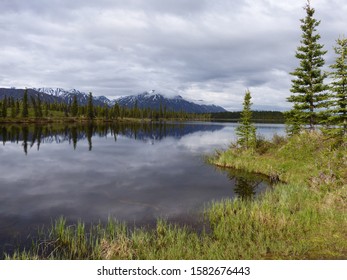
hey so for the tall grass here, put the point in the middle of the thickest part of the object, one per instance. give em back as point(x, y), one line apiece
point(304, 218)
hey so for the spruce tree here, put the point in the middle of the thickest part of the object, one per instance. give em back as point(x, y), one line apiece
point(17, 107)
point(338, 113)
point(13, 108)
point(106, 112)
point(74, 106)
point(116, 110)
point(33, 102)
point(4, 107)
point(46, 109)
point(246, 131)
point(90, 107)
point(25, 112)
point(39, 107)
point(310, 93)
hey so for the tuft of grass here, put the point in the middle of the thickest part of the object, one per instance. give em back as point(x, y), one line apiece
point(304, 218)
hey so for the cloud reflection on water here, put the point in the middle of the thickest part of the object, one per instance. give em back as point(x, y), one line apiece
point(130, 180)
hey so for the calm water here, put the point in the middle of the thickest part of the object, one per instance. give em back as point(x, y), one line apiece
point(133, 173)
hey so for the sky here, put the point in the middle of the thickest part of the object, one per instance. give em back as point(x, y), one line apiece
point(203, 50)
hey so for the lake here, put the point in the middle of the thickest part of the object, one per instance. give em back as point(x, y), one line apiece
point(134, 173)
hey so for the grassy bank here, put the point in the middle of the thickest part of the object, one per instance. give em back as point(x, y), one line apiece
point(304, 218)
point(307, 216)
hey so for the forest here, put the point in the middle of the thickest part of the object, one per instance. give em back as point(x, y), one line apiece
point(257, 116)
point(35, 110)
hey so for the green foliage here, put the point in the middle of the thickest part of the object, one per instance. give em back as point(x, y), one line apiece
point(25, 111)
point(338, 113)
point(74, 107)
point(257, 116)
point(310, 96)
point(13, 108)
point(4, 107)
point(246, 131)
point(294, 120)
point(314, 168)
point(37, 106)
point(17, 107)
point(90, 107)
point(306, 218)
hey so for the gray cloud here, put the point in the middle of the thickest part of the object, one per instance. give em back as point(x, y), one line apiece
point(210, 50)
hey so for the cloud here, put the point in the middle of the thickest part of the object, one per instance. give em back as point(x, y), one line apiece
point(210, 50)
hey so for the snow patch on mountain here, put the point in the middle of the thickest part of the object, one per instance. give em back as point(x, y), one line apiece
point(148, 99)
point(154, 100)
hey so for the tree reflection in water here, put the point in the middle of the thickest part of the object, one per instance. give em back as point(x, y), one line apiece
point(247, 185)
point(58, 133)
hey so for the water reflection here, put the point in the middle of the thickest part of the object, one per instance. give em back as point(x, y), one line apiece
point(132, 172)
point(37, 134)
point(247, 185)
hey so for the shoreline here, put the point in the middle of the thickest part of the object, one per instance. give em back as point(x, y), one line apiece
point(304, 218)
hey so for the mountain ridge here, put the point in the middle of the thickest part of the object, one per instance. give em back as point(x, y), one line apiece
point(158, 101)
point(152, 100)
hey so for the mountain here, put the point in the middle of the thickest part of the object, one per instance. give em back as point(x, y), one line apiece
point(19, 93)
point(150, 100)
point(67, 96)
point(177, 103)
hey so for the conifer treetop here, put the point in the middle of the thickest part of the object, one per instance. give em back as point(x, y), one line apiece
point(308, 84)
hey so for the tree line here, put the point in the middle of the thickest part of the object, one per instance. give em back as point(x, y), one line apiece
point(34, 107)
point(36, 134)
point(257, 116)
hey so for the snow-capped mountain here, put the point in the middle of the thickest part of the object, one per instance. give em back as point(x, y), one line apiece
point(104, 100)
point(152, 99)
point(155, 100)
point(19, 93)
point(67, 96)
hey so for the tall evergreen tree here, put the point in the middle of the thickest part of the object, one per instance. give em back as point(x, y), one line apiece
point(13, 108)
point(34, 104)
point(17, 107)
point(46, 107)
point(39, 107)
point(310, 92)
point(4, 107)
point(106, 112)
point(246, 131)
point(90, 107)
point(74, 106)
point(116, 111)
point(338, 113)
point(25, 111)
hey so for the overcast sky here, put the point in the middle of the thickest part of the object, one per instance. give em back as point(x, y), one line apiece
point(204, 50)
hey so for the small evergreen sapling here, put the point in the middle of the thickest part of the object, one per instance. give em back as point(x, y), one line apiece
point(246, 131)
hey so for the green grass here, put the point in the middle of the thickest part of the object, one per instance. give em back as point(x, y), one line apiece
point(303, 218)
